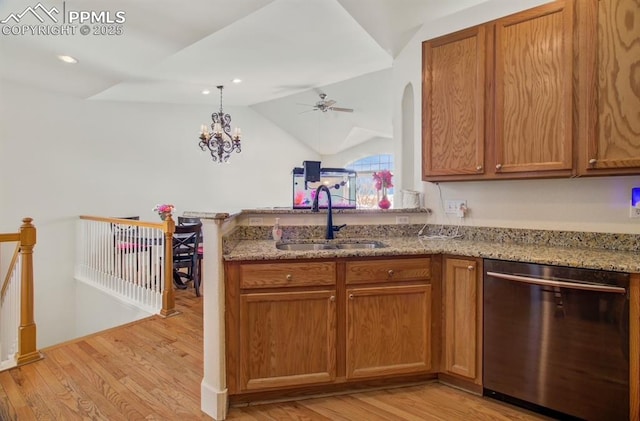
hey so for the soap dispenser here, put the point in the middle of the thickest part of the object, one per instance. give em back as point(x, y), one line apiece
point(277, 231)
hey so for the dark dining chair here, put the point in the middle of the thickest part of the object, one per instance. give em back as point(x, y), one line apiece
point(188, 220)
point(186, 240)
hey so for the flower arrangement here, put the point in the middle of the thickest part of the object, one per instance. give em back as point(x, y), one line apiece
point(383, 182)
point(383, 179)
point(163, 210)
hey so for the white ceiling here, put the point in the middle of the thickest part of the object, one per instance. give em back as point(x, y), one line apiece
point(285, 51)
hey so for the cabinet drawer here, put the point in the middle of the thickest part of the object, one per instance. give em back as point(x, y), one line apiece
point(388, 270)
point(276, 275)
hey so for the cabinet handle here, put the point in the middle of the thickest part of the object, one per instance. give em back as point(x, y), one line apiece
point(332, 298)
point(351, 296)
point(390, 272)
point(289, 277)
point(593, 161)
point(498, 167)
point(470, 268)
point(479, 168)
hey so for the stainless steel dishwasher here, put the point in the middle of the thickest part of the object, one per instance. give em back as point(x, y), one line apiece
point(556, 339)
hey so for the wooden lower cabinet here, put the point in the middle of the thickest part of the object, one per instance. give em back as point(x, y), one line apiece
point(388, 331)
point(287, 339)
point(462, 303)
point(319, 325)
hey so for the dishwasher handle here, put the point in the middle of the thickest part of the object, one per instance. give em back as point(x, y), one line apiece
point(560, 284)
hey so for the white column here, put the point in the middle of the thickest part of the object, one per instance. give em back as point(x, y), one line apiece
point(213, 389)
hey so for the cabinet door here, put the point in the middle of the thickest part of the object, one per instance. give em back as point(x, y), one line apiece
point(453, 129)
point(534, 91)
point(461, 317)
point(388, 331)
point(609, 97)
point(287, 339)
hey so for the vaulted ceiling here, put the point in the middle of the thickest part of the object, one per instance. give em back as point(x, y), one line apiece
point(285, 51)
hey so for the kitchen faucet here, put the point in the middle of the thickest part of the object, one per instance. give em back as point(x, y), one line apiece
point(315, 208)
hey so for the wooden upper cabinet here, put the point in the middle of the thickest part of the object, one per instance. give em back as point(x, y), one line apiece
point(453, 126)
point(609, 93)
point(534, 91)
point(498, 98)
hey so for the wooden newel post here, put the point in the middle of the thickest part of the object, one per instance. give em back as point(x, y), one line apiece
point(168, 294)
point(27, 351)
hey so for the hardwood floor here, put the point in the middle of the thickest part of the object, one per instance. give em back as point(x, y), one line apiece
point(152, 369)
point(431, 401)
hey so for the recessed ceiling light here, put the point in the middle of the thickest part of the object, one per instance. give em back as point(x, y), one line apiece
point(206, 92)
point(236, 80)
point(68, 59)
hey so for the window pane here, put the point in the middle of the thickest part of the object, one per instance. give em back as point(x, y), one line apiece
point(366, 194)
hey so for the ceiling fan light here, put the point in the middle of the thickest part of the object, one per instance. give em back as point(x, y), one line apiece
point(325, 105)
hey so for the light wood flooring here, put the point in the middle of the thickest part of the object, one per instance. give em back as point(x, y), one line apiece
point(152, 369)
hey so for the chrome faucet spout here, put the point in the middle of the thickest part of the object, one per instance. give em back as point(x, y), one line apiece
point(316, 208)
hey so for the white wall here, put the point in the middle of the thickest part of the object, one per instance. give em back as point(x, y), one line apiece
point(375, 146)
point(96, 310)
point(587, 204)
point(61, 157)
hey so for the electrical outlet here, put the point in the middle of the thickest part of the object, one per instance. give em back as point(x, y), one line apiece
point(634, 212)
point(453, 206)
point(402, 219)
point(255, 221)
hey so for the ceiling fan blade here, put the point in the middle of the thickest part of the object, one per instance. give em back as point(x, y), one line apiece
point(329, 103)
point(346, 110)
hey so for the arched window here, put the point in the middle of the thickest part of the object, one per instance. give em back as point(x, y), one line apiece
point(366, 194)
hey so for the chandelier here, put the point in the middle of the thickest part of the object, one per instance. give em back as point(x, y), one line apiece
point(220, 142)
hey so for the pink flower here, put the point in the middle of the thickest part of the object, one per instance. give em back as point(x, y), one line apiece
point(383, 179)
point(164, 209)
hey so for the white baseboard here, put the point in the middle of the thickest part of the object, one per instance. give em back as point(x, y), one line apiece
point(213, 402)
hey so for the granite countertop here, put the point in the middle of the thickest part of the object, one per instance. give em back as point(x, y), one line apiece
point(593, 258)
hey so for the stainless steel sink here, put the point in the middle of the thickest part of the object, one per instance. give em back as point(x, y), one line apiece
point(333, 245)
point(304, 246)
point(360, 245)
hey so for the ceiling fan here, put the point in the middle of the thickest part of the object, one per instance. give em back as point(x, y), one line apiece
point(325, 105)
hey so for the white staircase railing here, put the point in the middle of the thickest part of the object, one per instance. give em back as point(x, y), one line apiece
point(10, 312)
point(127, 259)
